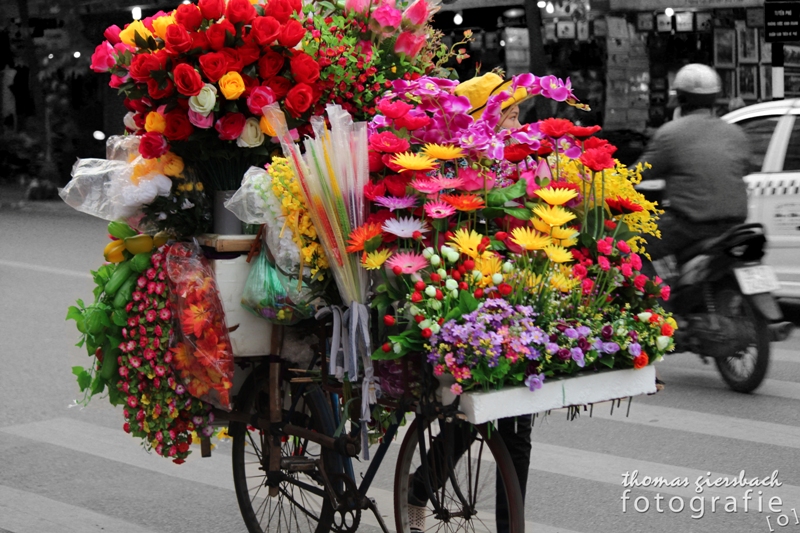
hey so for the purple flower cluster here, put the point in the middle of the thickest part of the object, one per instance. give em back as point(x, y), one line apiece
point(573, 342)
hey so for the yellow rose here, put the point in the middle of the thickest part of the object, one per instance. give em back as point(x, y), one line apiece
point(231, 85)
point(155, 121)
point(127, 35)
point(173, 165)
point(266, 128)
point(160, 24)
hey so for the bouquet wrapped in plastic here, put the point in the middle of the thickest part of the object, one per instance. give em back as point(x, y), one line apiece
point(203, 353)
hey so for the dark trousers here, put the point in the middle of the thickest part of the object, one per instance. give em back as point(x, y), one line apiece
point(515, 432)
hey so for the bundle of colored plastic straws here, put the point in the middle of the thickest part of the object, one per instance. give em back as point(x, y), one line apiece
point(332, 174)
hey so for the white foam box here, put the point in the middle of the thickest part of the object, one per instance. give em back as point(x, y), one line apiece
point(583, 389)
point(253, 334)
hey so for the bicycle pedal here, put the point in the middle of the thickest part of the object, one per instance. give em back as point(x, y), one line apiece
point(298, 464)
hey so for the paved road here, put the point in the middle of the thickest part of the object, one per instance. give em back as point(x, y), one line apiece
point(67, 469)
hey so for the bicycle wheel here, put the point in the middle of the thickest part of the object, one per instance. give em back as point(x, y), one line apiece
point(465, 500)
point(301, 503)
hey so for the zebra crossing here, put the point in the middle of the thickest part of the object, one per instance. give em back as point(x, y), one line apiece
point(575, 484)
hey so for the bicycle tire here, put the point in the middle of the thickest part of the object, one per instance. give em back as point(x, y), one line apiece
point(409, 450)
point(286, 512)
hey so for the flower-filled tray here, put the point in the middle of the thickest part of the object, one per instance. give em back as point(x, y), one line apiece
point(581, 389)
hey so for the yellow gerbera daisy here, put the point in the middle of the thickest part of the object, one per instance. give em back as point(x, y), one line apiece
point(559, 233)
point(553, 215)
point(541, 225)
point(529, 239)
point(557, 254)
point(443, 152)
point(562, 283)
point(409, 161)
point(554, 196)
point(375, 260)
point(488, 265)
point(467, 242)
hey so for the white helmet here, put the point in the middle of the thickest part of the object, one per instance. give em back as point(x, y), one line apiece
point(697, 84)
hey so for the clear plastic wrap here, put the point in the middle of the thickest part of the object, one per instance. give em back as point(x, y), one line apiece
point(202, 353)
point(256, 203)
point(122, 147)
point(274, 296)
point(107, 189)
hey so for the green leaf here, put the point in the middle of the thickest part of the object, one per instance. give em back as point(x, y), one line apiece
point(98, 385)
point(327, 5)
point(119, 317)
point(78, 370)
point(467, 302)
point(139, 41)
point(73, 313)
point(380, 355)
point(491, 212)
point(454, 314)
point(608, 360)
point(498, 197)
point(522, 213)
point(84, 380)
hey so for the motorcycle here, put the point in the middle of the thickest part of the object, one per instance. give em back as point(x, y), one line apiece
point(721, 298)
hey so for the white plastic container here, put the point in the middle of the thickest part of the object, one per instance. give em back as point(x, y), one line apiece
point(253, 335)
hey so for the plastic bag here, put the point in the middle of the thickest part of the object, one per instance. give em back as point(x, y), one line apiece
point(122, 147)
point(256, 203)
point(202, 353)
point(274, 296)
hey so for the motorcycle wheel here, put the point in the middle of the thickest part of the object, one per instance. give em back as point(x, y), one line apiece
point(745, 370)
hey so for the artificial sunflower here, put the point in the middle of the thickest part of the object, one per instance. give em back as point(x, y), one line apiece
point(529, 239)
point(467, 242)
point(443, 152)
point(553, 215)
point(554, 196)
point(410, 161)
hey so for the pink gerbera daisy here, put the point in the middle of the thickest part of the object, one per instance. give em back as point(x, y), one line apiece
point(448, 183)
point(404, 227)
point(407, 263)
point(393, 203)
point(426, 186)
point(439, 209)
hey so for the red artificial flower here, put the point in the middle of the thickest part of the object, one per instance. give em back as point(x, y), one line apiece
point(596, 142)
point(555, 127)
point(545, 148)
point(387, 160)
point(153, 145)
point(412, 121)
point(249, 53)
point(299, 99)
point(396, 183)
point(187, 80)
point(639, 282)
point(280, 86)
point(157, 91)
point(388, 142)
point(640, 361)
point(583, 132)
point(240, 11)
point(218, 33)
point(665, 291)
point(214, 65)
point(211, 9)
point(142, 65)
point(112, 34)
point(259, 97)
point(394, 110)
point(597, 159)
point(291, 34)
point(372, 190)
point(265, 30)
point(270, 64)
point(177, 39)
point(188, 16)
point(178, 127)
point(200, 40)
point(282, 9)
point(375, 161)
point(623, 206)
point(515, 153)
point(304, 68)
point(230, 126)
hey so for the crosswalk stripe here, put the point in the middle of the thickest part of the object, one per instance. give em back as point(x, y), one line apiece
point(25, 512)
point(787, 390)
point(45, 269)
point(708, 424)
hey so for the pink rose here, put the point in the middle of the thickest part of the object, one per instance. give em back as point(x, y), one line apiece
point(409, 44)
point(117, 81)
point(359, 6)
point(475, 180)
point(230, 126)
point(112, 34)
point(103, 57)
point(260, 96)
point(387, 17)
point(417, 13)
point(665, 290)
point(604, 246)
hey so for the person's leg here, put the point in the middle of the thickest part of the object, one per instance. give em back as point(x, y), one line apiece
point(516, 433)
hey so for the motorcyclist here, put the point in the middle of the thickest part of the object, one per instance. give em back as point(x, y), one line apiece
point(702, 160)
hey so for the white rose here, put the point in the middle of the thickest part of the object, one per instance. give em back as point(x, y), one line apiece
point(129, 122)
point(252, 135)
point(203, 103)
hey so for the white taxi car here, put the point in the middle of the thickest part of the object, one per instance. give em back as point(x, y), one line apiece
point(773, 129)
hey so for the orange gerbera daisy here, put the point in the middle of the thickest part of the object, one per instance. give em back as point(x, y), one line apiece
point(463, 202)
point(360, 236)
point(195, 319)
